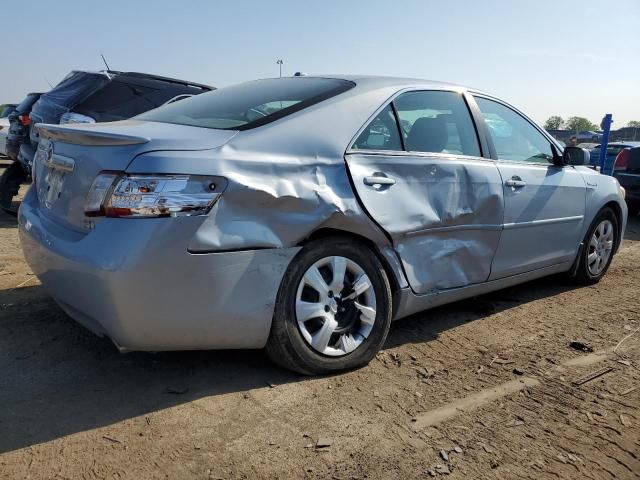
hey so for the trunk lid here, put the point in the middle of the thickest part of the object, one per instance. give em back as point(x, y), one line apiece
point(69, 158)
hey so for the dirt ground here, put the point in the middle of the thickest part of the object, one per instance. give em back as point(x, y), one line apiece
point(485, 388)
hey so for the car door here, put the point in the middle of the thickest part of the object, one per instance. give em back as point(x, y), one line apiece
point(544, 204)
point(418, 171)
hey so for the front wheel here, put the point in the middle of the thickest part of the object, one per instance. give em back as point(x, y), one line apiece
point(333, 309)
point(599, 245)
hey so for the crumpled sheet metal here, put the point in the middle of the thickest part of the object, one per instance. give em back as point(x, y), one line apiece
point(443, 214)
point(271, 201)
point(285, 180)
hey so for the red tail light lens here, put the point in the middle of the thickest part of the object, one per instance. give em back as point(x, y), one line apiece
point(622, 160)
point(25, 120)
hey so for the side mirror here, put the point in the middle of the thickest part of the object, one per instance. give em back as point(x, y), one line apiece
point(576, 156)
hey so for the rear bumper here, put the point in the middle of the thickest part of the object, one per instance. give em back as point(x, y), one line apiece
point(134, 281)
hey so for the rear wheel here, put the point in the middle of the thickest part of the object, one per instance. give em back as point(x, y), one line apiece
point(10, 181)
point(333, 309)
point(599, 245)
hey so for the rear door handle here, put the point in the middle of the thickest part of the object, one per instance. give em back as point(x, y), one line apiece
point(515, 182)
point(379, 180)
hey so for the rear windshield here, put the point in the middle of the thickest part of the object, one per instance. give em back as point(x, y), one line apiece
point(250, 104)
point(27, 103)
point(126, 97)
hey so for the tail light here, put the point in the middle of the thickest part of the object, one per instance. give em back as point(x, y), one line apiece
point(115, 194)
point(25, 120)
point(622, 160)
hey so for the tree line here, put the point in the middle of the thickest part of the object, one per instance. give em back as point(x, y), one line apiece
point(556, 122)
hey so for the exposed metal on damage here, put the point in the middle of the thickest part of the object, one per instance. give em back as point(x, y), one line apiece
point(444, 216)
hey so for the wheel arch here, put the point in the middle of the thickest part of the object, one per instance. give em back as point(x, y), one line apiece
point(617, 211)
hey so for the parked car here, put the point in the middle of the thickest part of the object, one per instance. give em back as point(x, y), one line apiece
point(89, 97)
point(613, 149)
point(627, 170)
point(588, 145)
point(588, 136)
point(105, 96)
point(305, 213)
point(19, 122)
point(15, 175)
point(5, 110)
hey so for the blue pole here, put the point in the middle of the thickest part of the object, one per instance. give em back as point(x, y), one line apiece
point(605, 169)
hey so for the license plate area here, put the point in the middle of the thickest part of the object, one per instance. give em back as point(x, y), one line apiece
point(54, 170)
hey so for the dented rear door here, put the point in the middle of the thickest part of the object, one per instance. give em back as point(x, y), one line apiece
point(444, 214)
point(418, 169)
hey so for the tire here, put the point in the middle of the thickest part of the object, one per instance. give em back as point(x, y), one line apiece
point(10, 181)
point(290, 348)
point(586, 274)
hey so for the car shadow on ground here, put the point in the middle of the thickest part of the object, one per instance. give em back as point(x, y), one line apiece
point(58, 379)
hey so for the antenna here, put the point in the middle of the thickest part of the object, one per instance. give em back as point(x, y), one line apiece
point(105, 62)
point(47, 80)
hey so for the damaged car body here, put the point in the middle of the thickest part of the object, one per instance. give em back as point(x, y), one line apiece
point(305, 214)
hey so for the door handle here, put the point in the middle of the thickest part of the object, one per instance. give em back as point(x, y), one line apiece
point(515, 182)
point(379, 180)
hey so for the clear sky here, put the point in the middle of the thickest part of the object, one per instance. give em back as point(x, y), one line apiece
point(565, 57)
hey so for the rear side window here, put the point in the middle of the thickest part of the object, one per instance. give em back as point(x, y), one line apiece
point(437, 122)
point(248, 105)
point(381, 134)
point(430, 121)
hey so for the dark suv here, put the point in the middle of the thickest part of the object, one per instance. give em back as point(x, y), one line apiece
point(106, 96)
point(88, 97)
point(19, 122)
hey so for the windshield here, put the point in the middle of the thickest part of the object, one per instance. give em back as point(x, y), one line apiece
point(250, 104)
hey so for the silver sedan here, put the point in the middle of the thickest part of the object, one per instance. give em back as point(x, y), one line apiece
point(305, 214)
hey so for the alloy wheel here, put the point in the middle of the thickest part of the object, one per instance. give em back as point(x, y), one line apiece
point(600, 247)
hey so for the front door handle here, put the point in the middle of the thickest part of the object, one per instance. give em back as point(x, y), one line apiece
point(374, 180)
point(515, 182)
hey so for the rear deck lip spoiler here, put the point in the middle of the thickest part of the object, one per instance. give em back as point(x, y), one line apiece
point(77, 136)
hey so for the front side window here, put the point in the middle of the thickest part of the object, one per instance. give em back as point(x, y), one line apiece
point(514, 138)
point(437, 122)
point(249, 104)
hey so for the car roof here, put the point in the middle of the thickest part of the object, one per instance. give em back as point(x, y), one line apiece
point(378, 81)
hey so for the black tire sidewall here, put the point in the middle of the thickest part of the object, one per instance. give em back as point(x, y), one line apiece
point(285, 315)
